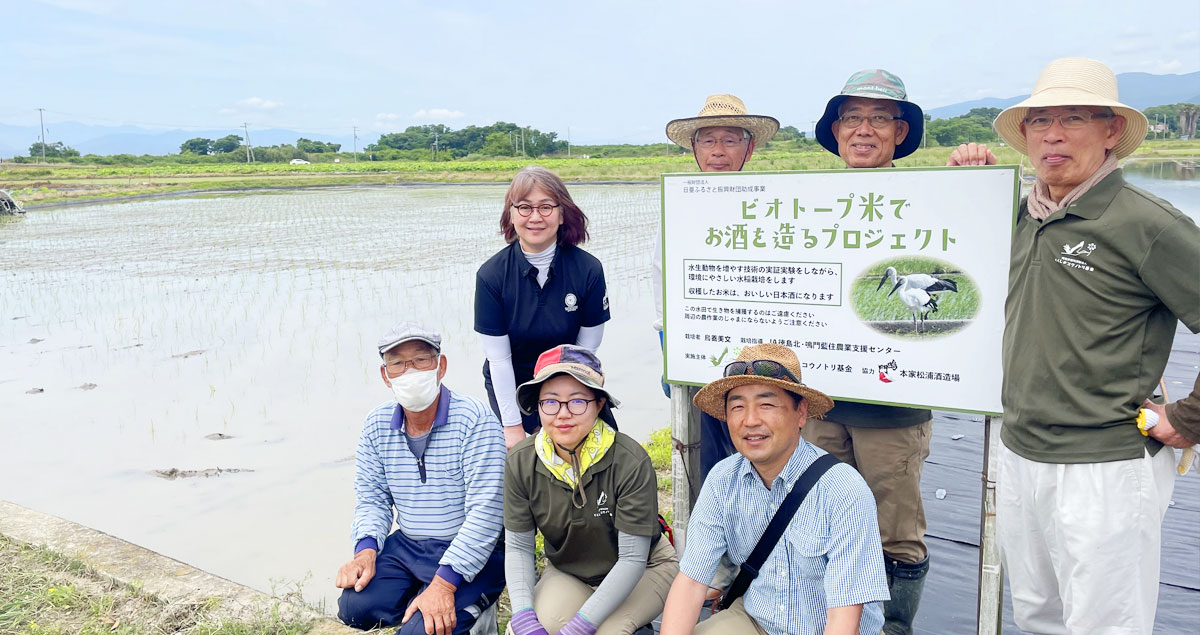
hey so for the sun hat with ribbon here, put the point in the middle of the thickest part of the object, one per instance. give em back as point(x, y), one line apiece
point(722, 111)
point(576, 361)
point(1073, 81)
point(874, 83)
point(711, 398)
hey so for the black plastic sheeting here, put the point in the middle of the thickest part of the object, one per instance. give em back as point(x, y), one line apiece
point(949, 604)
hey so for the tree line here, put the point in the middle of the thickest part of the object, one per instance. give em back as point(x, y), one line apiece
point(438, 142)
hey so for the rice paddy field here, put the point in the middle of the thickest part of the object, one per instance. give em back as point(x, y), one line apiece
point(191, 374)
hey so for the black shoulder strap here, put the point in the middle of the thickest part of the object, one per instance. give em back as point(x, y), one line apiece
point(779, 522)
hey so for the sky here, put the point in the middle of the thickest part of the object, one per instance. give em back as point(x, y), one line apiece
point(600, 72)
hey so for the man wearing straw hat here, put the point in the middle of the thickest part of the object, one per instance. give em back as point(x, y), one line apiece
point(721, 138)
point(1100, 273)
point(825, 573)
point(869, 125)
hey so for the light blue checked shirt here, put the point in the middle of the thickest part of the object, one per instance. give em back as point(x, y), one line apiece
point(830, 555)
point(462, 498)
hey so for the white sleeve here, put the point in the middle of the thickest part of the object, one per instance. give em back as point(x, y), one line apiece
point(656, 278)
point(589, 337)
point(498, 351)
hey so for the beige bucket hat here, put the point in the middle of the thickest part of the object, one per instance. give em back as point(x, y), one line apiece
point(711, 398)
point(1074, 81)
point(724, 111)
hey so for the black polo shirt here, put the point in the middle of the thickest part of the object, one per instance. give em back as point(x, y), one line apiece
point(508, 301)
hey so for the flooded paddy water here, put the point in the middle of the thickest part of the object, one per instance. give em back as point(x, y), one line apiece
point(191, 375)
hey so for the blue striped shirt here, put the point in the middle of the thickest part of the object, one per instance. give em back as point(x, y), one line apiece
point(462, 498)
point(830, 555)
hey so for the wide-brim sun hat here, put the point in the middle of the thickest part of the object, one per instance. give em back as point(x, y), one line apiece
point(1073, 81)
point(566, 359)
point(711, 398)
point(722, 111)
point(874, 83)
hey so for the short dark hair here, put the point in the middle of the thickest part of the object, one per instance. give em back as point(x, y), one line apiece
point(574, 227)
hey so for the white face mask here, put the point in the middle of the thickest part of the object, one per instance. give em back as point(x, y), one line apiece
point(416, 390)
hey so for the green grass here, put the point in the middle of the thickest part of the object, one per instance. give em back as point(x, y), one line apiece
point(56, 183)
point(659, 449)
point(43, 593)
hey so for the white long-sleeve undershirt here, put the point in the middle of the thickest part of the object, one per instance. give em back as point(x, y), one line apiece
point(498, 351)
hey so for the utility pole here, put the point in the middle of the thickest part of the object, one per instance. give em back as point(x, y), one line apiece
point(523, 143)
point(355, 144)
point(568, 142)
point(249, 149)
point(435, 146)
point(42, 122)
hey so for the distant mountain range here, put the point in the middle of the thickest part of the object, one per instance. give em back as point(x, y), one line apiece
point(1140, 90)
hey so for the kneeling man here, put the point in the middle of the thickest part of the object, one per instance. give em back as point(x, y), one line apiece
point(826, 572)
point(435, 459)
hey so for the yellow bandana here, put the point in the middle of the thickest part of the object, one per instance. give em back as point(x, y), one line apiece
point(595, 446)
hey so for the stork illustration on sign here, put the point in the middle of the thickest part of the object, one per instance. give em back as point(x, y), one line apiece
point(917, 291)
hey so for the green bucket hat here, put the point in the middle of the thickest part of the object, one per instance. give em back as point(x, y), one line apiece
point(874, 83)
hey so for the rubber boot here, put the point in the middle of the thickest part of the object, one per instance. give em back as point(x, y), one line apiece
point(906, 580)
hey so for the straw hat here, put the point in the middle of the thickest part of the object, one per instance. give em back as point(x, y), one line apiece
point(874, 83)
point(722, 111)
point(566, 359)
point(1074, 81)
point(711, 398)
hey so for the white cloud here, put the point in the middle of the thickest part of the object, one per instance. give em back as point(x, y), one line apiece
point(258, 103)
point(437, 113)
point(386, 116)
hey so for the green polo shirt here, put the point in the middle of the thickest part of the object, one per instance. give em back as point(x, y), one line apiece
point(622, 495)
point(1094, 292)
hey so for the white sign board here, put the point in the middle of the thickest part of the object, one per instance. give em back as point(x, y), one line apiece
point(889, 284)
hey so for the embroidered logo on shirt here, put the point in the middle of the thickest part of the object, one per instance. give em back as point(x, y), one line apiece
point(604, 302)
point(602, 505)
point(572, 302)
point(1071, 255)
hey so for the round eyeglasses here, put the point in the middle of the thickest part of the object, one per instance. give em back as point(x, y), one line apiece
point(574, 406)
point(542, 210)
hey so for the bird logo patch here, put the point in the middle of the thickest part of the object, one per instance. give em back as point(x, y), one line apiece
point(1072, 255)
point(1078, 250)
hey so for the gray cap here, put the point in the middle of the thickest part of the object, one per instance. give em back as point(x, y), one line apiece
point(406, 331)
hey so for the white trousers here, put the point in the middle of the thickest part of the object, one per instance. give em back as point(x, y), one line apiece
point(1081, 542)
